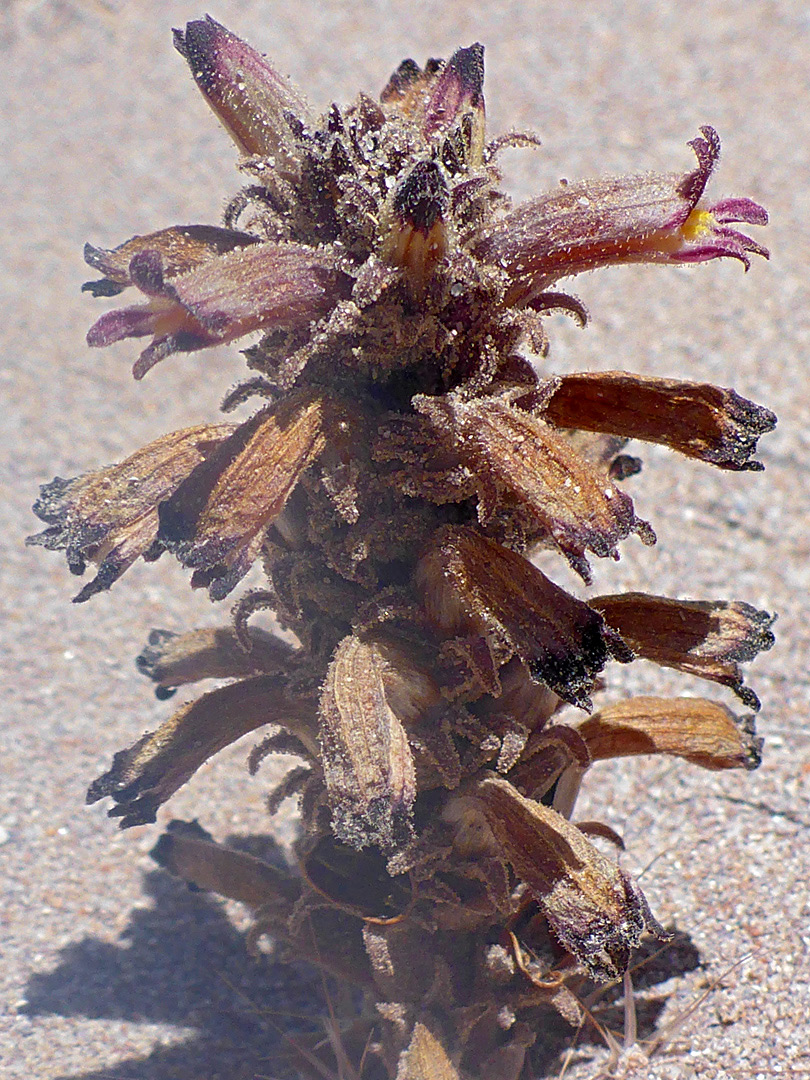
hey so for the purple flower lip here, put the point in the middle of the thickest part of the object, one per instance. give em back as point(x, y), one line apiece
point(703, 237)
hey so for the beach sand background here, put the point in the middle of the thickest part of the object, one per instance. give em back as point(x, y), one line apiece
point(111, 970)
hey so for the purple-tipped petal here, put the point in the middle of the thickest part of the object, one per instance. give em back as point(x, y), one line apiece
point(165, 346)
point(739, 209)
point(745, 242)
point(125, 323)
point(147, 273)
point(722, 244)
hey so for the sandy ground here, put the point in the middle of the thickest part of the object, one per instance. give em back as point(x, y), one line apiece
point(112, 971)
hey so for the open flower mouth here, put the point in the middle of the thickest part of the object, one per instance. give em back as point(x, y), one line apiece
point(412, 449)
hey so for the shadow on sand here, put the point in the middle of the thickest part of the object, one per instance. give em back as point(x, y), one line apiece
point(181, 963)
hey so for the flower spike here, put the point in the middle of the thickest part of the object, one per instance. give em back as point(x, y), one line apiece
point(406, 460)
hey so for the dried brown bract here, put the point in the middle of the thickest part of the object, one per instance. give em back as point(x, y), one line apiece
point(406, 461)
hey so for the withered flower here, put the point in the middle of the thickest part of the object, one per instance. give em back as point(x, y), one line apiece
point(406, 461)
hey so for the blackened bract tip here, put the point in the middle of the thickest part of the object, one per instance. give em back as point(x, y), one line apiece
point(102, 287)
point(197, 35)
point(404, 77)
point(422, 198)
point(93, 256)
point(469, 64)
point(198, 46)
point(201, 32)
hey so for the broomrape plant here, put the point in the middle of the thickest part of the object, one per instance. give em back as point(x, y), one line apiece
point(404, 462)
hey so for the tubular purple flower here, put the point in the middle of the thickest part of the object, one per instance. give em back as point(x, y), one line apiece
point(252, 101)
point(656, 218)
point(265, 286)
